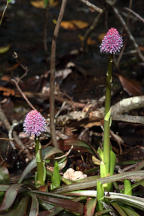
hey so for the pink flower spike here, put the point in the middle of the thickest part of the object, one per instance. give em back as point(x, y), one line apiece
point(112, 42)
point(34, 123)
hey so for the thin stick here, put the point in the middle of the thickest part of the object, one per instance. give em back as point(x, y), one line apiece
point(128, 104)
point(128, 17)
point(23, 95)
point(52, 73)
point(129, 118)
point(129, 33)
point(123, 49)
point(135, 14)
point(45, 33)
point(4, 12)
point(91, 29)
point(97, 9)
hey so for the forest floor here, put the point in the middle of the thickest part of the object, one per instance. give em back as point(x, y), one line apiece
point(26, 32)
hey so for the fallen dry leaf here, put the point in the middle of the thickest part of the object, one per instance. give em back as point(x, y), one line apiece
point(132, 87)
point(74, 24)
point(141, 48)
point(7, 91)
point(101, 36)
point(13, 67)
point(89, 40)
point(38, 4)
point(6, 78)
point(92, 124)
point(41, 4)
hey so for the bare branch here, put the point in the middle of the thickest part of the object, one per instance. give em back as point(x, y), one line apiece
point(127, 105)
point(52, 74)
point(135, 14)
point(23, 95)
point(128, 32)
point(97, 9)
point(129, 118)
point(91, 29)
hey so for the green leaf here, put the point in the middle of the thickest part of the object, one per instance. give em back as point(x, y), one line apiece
point(51, 209)
point(101, 154)
point(56, 178)
point(40, 175)
point(129, 211)
point(46, 153)
point(107, 116)
point(100, 196)
point(89, 183)
point(118, 208)
point(112, 162)
point(10, 196)
point(127, 187)
point(46, 2)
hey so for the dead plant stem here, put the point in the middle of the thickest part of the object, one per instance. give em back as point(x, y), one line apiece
point(122, 21)
point(52, 74)
point(22, 93)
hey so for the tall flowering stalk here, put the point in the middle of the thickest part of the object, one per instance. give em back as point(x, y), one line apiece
point(111, 45)
point(35, 124)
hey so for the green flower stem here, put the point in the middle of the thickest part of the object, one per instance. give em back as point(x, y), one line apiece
point(107, 117)
point(41, 171)
point(127, 187)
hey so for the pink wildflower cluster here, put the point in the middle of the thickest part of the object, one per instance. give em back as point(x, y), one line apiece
point(112, 42)
point(34, 123)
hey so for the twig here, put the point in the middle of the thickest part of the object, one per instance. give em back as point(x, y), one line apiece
point(129, 118)
point(97, 9)
point(135, 14)
point(118, 139)
point(128, 32)
point(120, 56)
point(90, 30)
point(117, 111)
point(127, 105)
point(60, 110)
point(52, 74)
point(6, 139)
point(45, 29)
point(23, 67)
point(3, 13)
point(10, 134)
point(123, 49)
point(65, 155)
point(23, 95)
point(128, 17)
point(59, 98)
